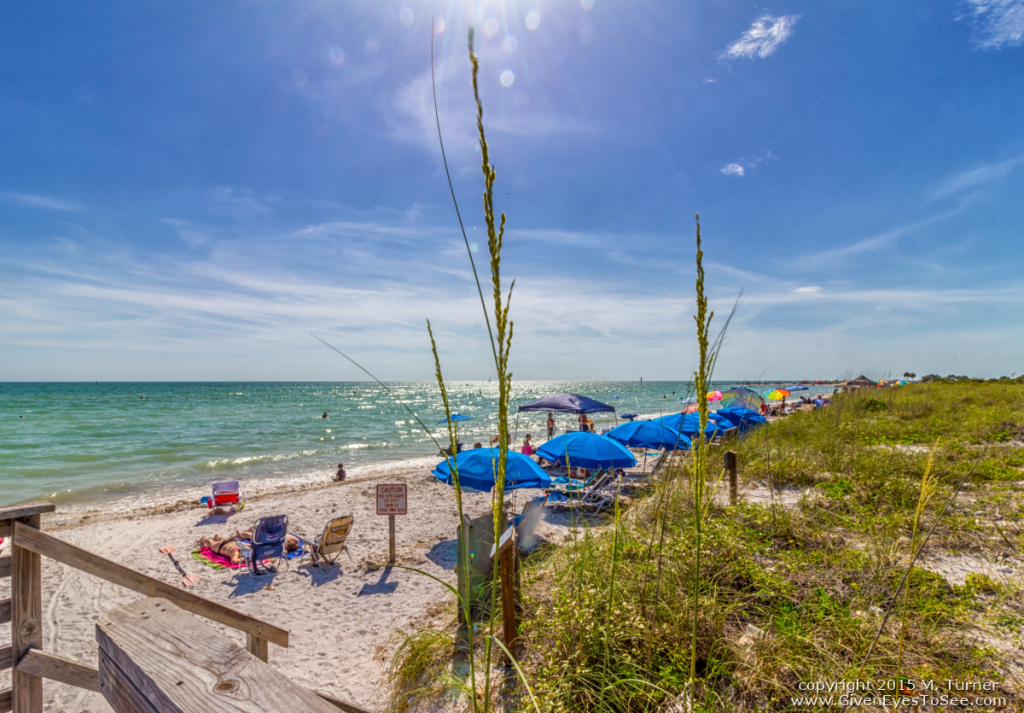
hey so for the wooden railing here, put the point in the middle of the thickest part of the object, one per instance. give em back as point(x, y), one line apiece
point(29, 663)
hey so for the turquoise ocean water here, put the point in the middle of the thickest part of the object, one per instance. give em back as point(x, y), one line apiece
point(83, 444)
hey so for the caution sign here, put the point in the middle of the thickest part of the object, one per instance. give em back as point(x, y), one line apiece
point(391, 499)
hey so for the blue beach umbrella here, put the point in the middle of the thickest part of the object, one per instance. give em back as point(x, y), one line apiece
point(630, 416)
point(456, 417)
point(796, 387)
point(586, 450)
point(477, 471)
point(743, 418)
point(649, 434)
point(689, 424)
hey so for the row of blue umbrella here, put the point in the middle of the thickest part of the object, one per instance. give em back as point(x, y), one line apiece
point(477, 467)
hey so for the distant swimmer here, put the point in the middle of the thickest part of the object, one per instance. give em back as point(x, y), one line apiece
point(325, 415)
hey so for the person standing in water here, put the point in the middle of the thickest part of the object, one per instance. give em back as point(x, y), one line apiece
point(551, 425)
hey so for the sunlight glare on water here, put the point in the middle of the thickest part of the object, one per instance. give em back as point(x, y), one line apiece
point(84, 442)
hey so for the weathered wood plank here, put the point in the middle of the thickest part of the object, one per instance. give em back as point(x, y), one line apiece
point(180, 665)
point(122, 696)
point(5, 566)
point(26, 618)
point(5, 611)
point(343, 705)
point(51, 547)
point(257, 647)
point(55, 668)
point(13, 512)
point(5, 528)
point(5, 658)
point(5, 701)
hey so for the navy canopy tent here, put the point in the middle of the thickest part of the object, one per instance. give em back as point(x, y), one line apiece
point(567, 403)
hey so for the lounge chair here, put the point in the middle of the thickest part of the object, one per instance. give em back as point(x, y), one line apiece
point(329, 545)
point(573, 488)
point(268, 536)
point(591, 496)
point(226, 493)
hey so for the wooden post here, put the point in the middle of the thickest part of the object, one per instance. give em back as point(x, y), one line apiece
point(730, 468)
point(258, 647)
point(507, 572)
point(391, 535)
point(26, 622)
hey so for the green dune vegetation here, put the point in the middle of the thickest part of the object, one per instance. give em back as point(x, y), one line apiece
point(792, 588)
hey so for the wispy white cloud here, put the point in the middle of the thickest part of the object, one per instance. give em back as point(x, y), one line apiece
point(740, 167)
point(763, 37)
point(42, 201)
point(1001, 22)
point(881, 241)
point(975, 177)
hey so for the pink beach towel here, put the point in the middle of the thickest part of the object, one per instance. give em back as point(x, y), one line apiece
point(212, 559)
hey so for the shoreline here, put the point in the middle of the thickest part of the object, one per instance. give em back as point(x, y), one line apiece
point(339, 619)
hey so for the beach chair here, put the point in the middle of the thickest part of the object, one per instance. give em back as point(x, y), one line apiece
point(268, 536)
point(329, 545)
point(226, 493)
point(573, 488)
point(448, 451)
point(591, 496)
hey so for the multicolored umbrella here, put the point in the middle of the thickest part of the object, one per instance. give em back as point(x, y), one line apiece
point(715, 396)
point(777, 395)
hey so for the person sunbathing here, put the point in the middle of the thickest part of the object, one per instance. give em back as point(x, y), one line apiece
point(226, 547)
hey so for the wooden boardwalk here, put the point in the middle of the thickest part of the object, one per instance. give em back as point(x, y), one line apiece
point(144, 645)
point(156, 657)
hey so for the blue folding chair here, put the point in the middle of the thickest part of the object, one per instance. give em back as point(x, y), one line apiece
point(268, 536)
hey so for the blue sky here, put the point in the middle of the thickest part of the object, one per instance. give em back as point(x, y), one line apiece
point(188, 189)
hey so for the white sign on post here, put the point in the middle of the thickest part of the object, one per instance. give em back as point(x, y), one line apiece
point(505, 537)
point(391, 499)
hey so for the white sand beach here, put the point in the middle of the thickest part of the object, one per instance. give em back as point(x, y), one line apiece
point(338, 618)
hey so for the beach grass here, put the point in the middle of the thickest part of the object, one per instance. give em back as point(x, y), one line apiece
point(789, 594)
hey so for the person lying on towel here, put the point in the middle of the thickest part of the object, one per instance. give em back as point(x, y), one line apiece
point(228, 548)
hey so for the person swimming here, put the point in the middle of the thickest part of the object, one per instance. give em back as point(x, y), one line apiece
point(325, 415)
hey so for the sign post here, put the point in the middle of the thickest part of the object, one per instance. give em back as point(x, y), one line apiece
point(391, 501)
point(506, 554)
